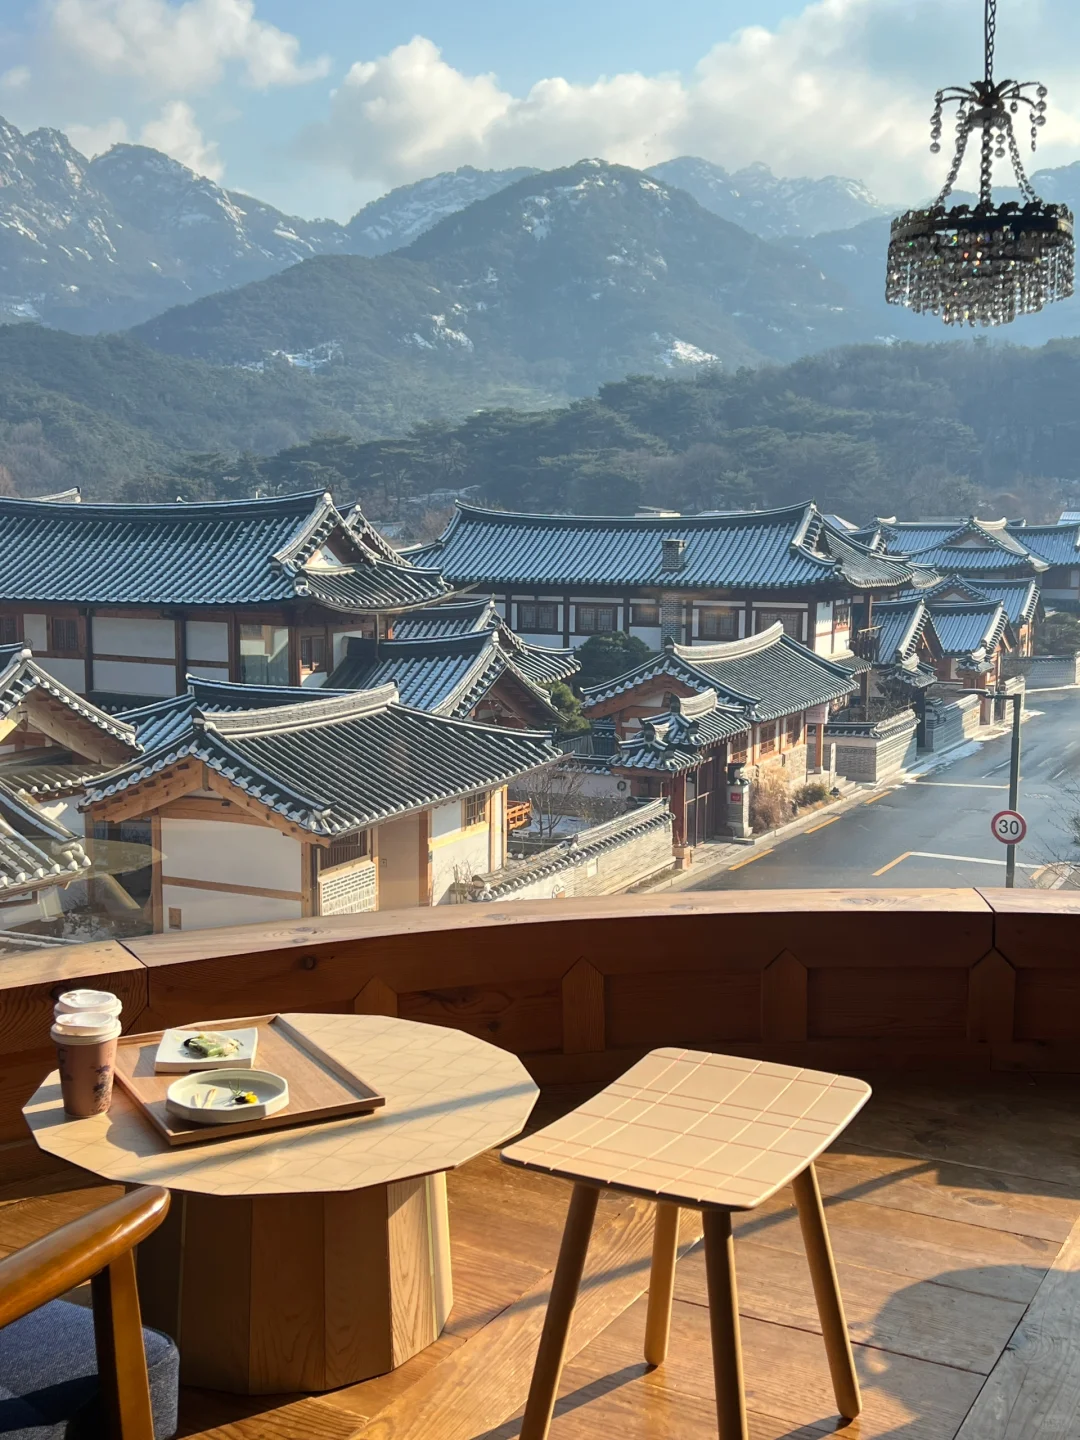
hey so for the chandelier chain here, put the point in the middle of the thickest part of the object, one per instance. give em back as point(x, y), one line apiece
point(990, 28)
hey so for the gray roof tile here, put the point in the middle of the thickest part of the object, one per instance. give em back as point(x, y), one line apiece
point(768, 549)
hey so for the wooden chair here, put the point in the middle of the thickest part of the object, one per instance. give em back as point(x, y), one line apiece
point(67, 1372)
point(715, 1133)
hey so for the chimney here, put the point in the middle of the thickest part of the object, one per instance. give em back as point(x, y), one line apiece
point(674, 554)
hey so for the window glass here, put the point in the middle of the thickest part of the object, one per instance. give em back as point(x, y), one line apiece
point(596, 619)
point(718, 623)
point(476, 810)
point(645, 615)
point(538, 618)
point(64, 634)
point(264, 654)
point(312, 652)
point(791, 620)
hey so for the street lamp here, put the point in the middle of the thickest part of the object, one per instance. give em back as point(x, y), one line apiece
point(987, 265)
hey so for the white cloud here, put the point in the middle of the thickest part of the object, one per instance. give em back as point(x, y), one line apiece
point(180, 48)
point(175, 131)
point(845, 87)
point(91, 140)
point(17, 78)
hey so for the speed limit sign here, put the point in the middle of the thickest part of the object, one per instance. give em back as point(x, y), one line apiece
point(1008, 826)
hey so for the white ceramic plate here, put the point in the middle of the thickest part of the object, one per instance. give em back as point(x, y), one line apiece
point(206, 1098)
point(173, 1057)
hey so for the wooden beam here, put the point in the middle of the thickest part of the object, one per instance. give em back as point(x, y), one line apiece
point(783, 999)
point(150, 794)
point(583, 1009)
point(219, 785)
point(376, 998)
point(227, 889)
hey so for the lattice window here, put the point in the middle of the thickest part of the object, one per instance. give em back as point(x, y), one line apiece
point(538, 619)
point(767, 739)
point(793, 728)
point(340, 852)
point(9, 629)
point(791, 620)
point(347, 892)
point(596, 619)
point(645, 615)
point(718, 623)
point(64, 635)
point(476, 810)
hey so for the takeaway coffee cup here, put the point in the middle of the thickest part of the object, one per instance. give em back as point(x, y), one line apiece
point(86, 1055)
point(101, 1002)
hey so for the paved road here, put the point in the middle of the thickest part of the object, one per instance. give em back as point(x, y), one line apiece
point(935, 831)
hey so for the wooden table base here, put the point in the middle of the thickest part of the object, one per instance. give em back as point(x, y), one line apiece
point(268, 1294)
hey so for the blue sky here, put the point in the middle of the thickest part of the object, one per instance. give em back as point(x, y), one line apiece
point(318, 107)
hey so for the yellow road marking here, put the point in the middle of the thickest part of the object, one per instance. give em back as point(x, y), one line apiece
point(875, 798)
point(891, 863)
point(831, 821)
point(760, 856)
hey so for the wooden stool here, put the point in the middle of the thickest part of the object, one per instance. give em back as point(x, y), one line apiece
point(714, 1133)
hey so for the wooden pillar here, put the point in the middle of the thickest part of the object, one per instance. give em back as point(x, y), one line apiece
point(678, 808)
point(180, 651)
point(88, 651)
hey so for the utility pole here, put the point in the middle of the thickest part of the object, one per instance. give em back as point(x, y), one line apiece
point(1017, 700)
point(1014, 784)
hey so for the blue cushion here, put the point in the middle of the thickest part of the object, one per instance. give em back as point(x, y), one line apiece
point(48, 1376)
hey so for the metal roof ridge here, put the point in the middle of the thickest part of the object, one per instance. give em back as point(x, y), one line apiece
point(350, 705)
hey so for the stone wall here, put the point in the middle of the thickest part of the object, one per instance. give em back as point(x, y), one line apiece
point(1043, 671)
point(872, 753)
point(603, 860)
point(952, 724)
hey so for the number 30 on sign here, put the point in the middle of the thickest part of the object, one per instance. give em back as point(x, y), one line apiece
point(1009, 826)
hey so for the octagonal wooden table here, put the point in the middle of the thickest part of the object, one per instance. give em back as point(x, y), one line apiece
point(318, 1256)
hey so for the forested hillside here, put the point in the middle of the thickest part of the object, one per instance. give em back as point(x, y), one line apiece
point(868, 430)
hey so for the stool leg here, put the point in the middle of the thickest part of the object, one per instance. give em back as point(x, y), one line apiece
point(724, 1324)
point(564, 1288)
point(827, 1293)
point(661, 1282)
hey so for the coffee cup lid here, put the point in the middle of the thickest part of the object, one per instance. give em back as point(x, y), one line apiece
point(85, 1025)
point(97, 1001)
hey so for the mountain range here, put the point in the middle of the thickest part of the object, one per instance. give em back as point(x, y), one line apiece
point(105, 243)
point(246, 329)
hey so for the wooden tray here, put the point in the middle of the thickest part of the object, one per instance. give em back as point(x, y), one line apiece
point(319, 1088)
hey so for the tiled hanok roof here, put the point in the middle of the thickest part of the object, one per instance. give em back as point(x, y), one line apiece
point(34, 850)
point(577, 850)
point(771, 674)
point(969, 631)
point(675, 741)
point(341, 763)
point(768, 549)
point(160, 722)
point(543, 664)
point(1056, 544)
point(21, 677)
point(961, 547)
point(899, 625)
point(1020, 597)
point(451, 675)
point(220, 553)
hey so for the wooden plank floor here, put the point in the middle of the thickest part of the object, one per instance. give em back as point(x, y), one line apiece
point(950, 1206)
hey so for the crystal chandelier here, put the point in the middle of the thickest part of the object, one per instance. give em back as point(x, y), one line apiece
point(987, 265)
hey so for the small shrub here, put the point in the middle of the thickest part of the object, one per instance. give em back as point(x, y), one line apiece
point(813, 793)
point(770, 803)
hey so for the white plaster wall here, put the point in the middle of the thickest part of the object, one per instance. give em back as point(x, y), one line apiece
point(207, 640)
point(651, 634)
point(445, 819)
point(35, 632)
point(230, 854)
point(497, 833)
point(130, 677)
point(208, 672)
point(69, 672)
point(469, 848)
point(209, 909)
point(144, 638)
